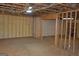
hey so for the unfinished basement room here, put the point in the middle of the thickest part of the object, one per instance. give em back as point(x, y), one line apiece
point(39, 29)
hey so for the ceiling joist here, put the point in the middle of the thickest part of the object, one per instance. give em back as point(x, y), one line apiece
point(38, 8)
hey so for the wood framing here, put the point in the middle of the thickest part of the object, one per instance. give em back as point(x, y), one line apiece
point(49, 16)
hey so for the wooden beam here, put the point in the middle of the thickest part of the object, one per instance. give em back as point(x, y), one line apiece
point(64, 5)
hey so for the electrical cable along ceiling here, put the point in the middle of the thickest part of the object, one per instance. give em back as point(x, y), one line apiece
point(37, 8)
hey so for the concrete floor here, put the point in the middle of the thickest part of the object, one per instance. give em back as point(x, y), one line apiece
point(30, 47)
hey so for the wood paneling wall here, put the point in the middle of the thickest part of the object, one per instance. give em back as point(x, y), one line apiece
point(78, 28)
point(37, 27)
point(15, 26)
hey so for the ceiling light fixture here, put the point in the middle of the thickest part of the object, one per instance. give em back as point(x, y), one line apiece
point(29, 10)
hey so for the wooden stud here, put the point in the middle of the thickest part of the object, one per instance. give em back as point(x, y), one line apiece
point(3, 23)
point(34, 29)
point(28, 27)
point(56, 32)
point(74, 31)
point(33, 26)
point(66, 31)
point(70, 24)
point(11, 26)
point(23, 26)
point(8, 25)
point(61, 31)
point(19, 26)
point(41, 34)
